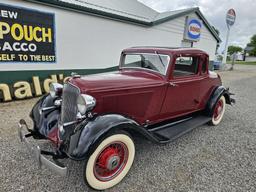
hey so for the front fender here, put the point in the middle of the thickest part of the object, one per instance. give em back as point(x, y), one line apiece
point(85, 141)
point(44, 101)
point(44, 123)
point(217, 93)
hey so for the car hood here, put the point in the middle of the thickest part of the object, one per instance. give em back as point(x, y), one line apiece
point(117, 80)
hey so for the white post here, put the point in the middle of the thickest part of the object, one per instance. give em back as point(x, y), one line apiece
point(226, 48)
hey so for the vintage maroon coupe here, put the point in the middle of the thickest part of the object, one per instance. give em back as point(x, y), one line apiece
point(158, 93)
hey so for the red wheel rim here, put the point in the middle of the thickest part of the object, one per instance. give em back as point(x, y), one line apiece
point(218, 110)
point(111, 161)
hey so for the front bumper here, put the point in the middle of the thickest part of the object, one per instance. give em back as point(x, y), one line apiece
point(35, 151)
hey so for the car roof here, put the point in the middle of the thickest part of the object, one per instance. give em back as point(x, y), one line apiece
point(152, 49)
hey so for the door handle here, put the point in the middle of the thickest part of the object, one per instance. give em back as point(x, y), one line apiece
point(173, 84)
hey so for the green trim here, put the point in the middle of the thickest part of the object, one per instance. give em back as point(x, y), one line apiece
point(86, 10)
point(10, 77)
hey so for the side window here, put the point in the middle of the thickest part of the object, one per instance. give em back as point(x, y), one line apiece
point(186, 66)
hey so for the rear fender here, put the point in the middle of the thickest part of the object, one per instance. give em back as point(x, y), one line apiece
point(84, 142)
point(217, 93)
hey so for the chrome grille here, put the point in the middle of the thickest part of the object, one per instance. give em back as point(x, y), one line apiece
point(69, 107)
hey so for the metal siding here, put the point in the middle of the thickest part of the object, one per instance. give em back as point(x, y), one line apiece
point(127, 8)
point(89, 42)
point(176, 28)
point(207, 42)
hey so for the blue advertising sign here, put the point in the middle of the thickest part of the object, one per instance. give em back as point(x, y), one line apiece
point(193, 29)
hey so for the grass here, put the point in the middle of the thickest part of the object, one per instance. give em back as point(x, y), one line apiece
point(243, 62)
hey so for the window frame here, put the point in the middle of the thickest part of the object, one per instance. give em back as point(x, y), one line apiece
point(141, 68)
point(186, 76)
point(204, 60)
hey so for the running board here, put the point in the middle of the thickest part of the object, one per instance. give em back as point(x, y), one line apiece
point(171, 131)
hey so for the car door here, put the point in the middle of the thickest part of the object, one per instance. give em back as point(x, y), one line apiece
point(183, 89)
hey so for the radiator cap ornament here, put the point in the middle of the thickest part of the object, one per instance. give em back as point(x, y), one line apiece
point(75, 75)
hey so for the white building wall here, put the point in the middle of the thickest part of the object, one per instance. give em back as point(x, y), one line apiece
point(207, 42)
point(90, 42)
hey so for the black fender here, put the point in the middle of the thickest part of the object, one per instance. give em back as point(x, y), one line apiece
point(84, 142)
point(44, 101)
point(44, 123)
point(215, 96)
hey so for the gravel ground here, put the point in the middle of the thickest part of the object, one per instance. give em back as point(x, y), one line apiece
point(221, 158)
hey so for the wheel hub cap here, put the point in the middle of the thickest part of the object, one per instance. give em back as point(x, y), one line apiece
point(111, 161)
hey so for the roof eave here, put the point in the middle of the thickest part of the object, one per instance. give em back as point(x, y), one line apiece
point(208, 26)
point(89, 11)
point(162, 20)
point(198, 12)
point(85, 10)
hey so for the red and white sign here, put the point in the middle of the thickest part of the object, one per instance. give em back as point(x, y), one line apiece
point(231, 17)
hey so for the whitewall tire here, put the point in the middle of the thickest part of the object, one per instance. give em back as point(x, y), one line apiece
point(110, 162)
point(218, 112)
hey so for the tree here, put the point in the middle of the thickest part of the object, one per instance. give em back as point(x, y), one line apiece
point(253, 45)
point(234, 49)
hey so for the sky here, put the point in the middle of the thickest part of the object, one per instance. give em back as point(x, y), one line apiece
point(215, 13)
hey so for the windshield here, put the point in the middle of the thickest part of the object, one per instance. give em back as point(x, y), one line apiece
point(150, 61)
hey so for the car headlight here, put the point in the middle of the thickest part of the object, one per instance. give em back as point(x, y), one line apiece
point(85, 103)
point(56, 89)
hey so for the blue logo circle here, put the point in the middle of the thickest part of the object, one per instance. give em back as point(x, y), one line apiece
point(194, 29)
